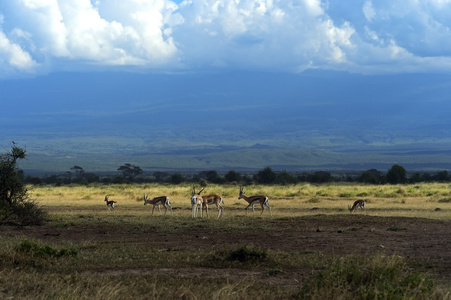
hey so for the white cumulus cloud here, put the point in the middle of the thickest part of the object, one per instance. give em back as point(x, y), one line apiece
point(278, 35)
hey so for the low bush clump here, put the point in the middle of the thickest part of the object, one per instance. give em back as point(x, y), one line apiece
point(44, 251)
point(445, 200)
point(245, 254)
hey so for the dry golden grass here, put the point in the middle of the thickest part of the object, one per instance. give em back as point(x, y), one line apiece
point(431, 200)
point(120, 270)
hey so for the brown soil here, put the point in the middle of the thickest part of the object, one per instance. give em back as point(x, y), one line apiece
point(425, 241)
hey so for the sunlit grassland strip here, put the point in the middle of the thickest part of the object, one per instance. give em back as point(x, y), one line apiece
point(130, 267)
point(426, 200)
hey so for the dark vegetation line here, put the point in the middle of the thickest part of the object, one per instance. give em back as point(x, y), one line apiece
point(129, 173)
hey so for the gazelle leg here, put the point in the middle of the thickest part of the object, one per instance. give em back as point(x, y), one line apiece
point(206, 211)
point(247, 208)
point(269, 208)
point(194, 209)
point(219, 210)
point(170, 208)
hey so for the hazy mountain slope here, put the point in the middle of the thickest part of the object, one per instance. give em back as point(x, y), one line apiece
point(122, 116)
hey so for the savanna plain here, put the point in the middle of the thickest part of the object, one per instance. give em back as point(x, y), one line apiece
point(311, 248)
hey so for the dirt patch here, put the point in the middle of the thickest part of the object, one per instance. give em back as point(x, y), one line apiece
point(418, 239)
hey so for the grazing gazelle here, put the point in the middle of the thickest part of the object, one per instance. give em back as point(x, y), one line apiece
point(261, 199)
point(357, 204)
point(109, 204)
point(196, 201)
point(212, 199)
point(162, 200)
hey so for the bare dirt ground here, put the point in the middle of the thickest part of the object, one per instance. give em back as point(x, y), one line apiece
point(425, 241)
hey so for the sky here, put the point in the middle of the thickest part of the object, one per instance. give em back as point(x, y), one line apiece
point(280, 72)
point(39, 37)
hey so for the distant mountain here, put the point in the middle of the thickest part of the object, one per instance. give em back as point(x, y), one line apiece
point(239, 120)
point(245, 160)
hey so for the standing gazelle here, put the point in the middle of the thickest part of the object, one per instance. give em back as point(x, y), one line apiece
point(357, 204)
point(261, 199)
point(162, 200)
point(213, 199)
point(196, 201)
point(109, 203)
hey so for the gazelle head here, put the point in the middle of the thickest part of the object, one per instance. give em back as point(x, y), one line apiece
point(145, 199)
point(106, 198)
point(241, 192)
point(194, 191)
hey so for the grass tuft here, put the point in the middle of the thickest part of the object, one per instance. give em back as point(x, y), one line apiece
point(379, 277)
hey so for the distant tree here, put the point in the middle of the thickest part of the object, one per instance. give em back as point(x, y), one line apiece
point(211, 176)
point(160, 176)
point(15, 206)
point(285, 178)
point(91, 177)
point(177, 178)
point(266, 176)
point(396, 174)
point(416, 177)
point(320, 177)
point(79, 172)
point(442, 176)
point(427, 177)
point(372, 176)
point(35, 180)
point(130, 171)
point(232, 176)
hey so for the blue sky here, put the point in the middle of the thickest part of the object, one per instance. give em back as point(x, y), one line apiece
point(305, 73)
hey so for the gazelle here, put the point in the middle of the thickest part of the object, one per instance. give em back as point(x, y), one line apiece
point(213, 199)
point(252, 200)
point(109, 203)
point(357, 204)
point(196, 201)
point(162, 200)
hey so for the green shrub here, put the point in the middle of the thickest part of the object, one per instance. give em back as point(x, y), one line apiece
point(44, 251)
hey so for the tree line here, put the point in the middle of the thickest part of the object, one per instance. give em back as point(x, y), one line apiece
point(17, 208)
point(129, 173)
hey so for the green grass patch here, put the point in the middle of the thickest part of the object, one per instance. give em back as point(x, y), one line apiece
point(31, 247)
point(379, 277)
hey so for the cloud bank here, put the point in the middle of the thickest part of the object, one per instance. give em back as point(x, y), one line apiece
point(384, 36)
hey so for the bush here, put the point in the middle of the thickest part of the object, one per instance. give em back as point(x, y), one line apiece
point(244, 254)
point(15, 206)
point(44, 251)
